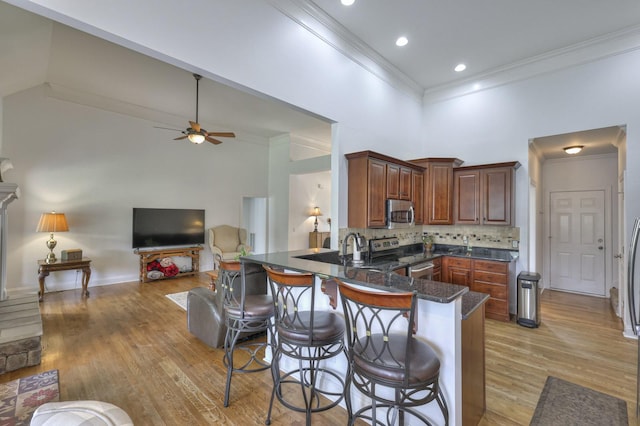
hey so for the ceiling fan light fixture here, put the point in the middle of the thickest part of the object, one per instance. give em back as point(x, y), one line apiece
point(196, 138)
point(573, 149)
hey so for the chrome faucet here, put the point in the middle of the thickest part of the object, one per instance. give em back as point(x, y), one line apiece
point(358, 245)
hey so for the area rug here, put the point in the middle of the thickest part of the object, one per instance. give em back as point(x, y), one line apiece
point(179, 299)
point(564, 403)
point(20, 398)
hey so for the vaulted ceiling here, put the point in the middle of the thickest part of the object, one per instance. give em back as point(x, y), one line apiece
point(489, 37)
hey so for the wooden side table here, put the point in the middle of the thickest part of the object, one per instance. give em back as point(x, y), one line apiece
point(45, 268)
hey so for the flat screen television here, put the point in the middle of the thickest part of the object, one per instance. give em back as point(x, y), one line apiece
point(167, 227)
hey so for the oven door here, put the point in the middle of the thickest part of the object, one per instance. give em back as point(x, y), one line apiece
point(423, 271)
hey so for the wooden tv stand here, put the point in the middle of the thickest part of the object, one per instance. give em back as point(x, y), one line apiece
point(148, 256)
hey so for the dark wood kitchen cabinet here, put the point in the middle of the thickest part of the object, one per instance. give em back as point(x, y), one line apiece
point(438, 189)
point(483, 276)
point(493, 278)
point(457, 270)
point(374, 178)
point(485, 194)
point(417, 191)
point(437, 269)
point(398, 182)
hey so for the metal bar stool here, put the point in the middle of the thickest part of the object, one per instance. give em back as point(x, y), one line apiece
point(245, 316)
point(384, 354)
point(308, 337)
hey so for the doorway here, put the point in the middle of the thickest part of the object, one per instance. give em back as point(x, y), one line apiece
point(254, 220)
point(595, 168)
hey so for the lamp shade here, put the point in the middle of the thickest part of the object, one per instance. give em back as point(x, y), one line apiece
point(52, 222)
point(316, 212)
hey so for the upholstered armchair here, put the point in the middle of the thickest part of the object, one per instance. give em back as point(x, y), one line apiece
point(226, 243)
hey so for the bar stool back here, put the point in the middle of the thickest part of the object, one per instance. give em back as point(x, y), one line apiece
point(384, 355)
point(309, 337)
point(245, 316)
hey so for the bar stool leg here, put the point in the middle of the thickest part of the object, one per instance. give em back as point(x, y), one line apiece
point(229, 346)
point(275, 373)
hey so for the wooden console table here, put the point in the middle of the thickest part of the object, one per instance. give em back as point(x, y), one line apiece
point(45, 268)
point(148, 256)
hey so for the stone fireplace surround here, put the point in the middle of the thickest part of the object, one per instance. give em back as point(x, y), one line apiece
point(20, 318)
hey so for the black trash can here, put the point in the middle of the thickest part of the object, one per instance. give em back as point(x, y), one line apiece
point(528, 299)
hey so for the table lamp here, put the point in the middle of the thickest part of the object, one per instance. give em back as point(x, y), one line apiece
point(316, 212)
point(52, 222)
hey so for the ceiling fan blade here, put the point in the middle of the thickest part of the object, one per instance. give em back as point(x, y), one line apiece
point(180, 138)
point(195, 126)
point(212, 140)
point(167, 128)
point(222, 134)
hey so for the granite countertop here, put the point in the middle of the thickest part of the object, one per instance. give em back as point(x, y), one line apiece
point(429, 290)
point(390, 281)
point(471, 301)
point(483, 253)
point(381, 275)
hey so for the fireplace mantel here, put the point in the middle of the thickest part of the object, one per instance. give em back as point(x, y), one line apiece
point(8, 193)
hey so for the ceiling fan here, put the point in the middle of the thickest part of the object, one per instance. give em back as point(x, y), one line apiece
point(197, 134)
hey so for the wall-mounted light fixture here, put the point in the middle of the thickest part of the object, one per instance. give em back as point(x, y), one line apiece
point(316, 212)
point(573, 149)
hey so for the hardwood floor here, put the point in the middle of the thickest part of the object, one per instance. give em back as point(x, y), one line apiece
point(128, 344)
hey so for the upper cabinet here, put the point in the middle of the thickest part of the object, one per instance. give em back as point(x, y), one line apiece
point(484, 194)
point(374, 178)
point(438, 189)
point(417, 191)
point(398, 182)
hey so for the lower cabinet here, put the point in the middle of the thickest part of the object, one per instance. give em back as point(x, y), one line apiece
point(457, 270)
point(437, 269)
point(493, 278)
point(484, 276)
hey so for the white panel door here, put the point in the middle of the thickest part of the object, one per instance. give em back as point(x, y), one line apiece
point(577, 242)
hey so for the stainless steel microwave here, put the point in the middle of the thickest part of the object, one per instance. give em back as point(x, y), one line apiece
point(400, 214)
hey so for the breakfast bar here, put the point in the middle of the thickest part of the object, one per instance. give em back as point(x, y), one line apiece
point(445, 313)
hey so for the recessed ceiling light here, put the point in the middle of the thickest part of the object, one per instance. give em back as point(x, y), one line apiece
point(460, 68)
point(348, 2)
point(573, 149)
point(402, 41)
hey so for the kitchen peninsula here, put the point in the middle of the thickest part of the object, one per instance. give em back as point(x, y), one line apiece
point(449, 317)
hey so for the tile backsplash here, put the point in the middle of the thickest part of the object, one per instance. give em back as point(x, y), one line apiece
point(503, 237)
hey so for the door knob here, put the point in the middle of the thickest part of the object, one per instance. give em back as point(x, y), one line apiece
point(600, 247)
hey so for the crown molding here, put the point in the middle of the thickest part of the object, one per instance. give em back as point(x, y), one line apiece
point(612, 44)
point(309, 16)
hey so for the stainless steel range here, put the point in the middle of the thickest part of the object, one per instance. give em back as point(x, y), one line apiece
point(383, 250)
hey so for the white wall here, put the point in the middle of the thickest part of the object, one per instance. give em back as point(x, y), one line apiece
point(496, 125)
point(305, 192)
point(259, 48)
point(95, 166)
